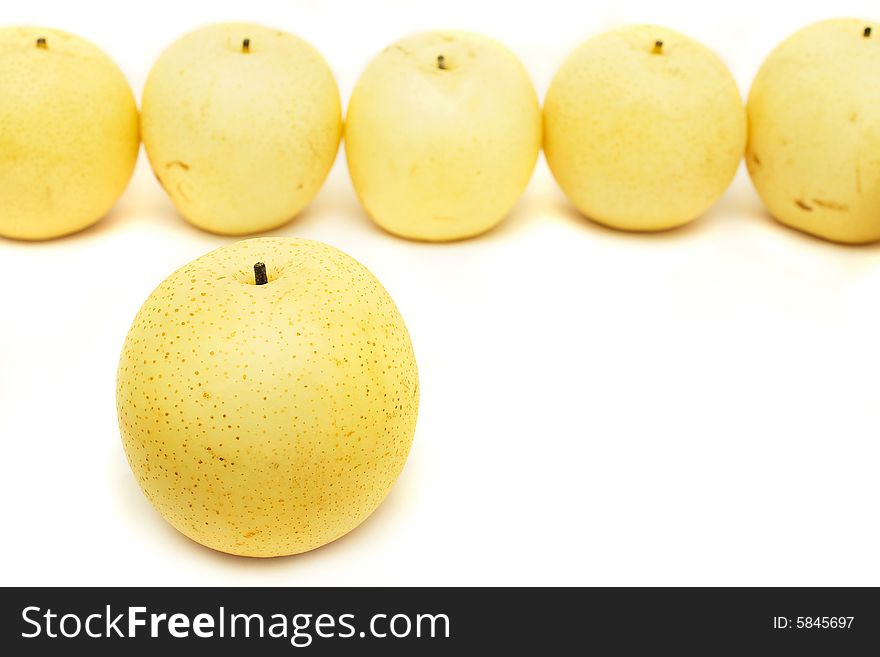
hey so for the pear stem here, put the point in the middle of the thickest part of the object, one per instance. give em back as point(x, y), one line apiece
point(441, 62)
point(246, 46)
point(867, 33)
point(260, 277)
point(41, 43)
point(658, 48)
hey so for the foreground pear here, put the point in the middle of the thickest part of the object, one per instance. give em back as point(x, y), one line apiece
point(241, 124)
point(267, 396)
point(68, 133)
point(442, 134)
point(644, 128)
point(814, 131)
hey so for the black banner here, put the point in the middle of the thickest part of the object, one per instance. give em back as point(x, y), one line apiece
point(278, 621)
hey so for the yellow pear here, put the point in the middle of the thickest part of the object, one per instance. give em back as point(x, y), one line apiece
point(241, 124)
point(267, 396)
point(814, 131)
point(68, 133)
point(442, 133)
point(644, 128)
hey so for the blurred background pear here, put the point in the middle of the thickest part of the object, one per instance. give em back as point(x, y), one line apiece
point(442, 134)
point(68, 133)
point(241, 124)
point(644, 128)
point(814, 131)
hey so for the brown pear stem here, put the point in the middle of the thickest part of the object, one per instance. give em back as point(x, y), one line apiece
point(441, 62)
point(41, 43)
point(246, 46)
point(260, 277)
point(867, 33)
point(658, 48)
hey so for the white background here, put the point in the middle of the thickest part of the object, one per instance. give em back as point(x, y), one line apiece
point(694, 407)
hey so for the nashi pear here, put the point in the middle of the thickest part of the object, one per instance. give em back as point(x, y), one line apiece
point(442, 133)
point(68, 133)
point(241, 124)
point(267, 419)
point(814, 131)
point(644, 128)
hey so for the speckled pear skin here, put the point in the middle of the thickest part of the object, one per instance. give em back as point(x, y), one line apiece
point(68, 133)
point(267, 420)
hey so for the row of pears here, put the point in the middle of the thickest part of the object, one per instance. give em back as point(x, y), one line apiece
point(642, 127)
